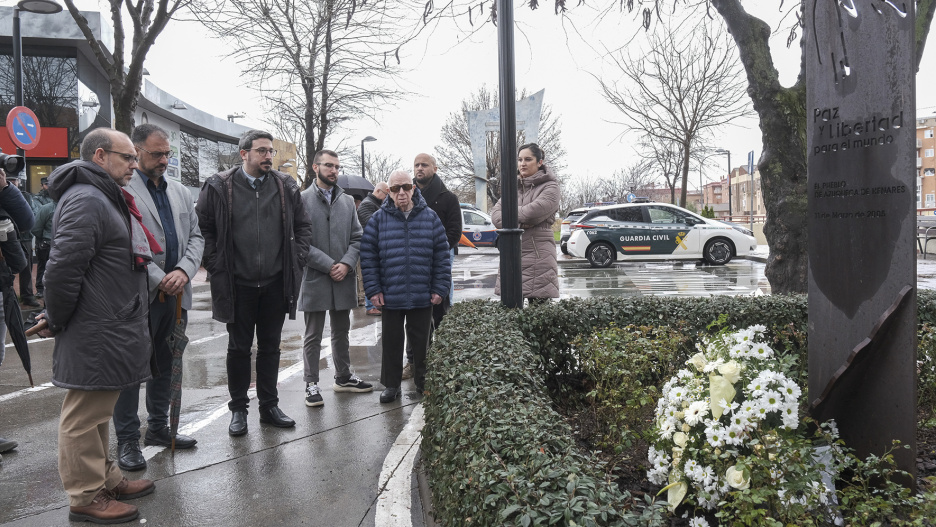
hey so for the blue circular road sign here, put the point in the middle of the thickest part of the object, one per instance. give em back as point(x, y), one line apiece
point(23, 127)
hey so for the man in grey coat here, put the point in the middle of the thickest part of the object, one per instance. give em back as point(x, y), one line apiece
point(97, 302)
point(169, 214)
point(328, 282)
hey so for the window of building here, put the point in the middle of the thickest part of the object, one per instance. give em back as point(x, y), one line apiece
point(931, 200)
point(928, 152)
point(928, 133)
point(188, 159)
point(929, 171)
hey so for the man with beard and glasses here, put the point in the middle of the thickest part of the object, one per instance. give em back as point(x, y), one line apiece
point(256, 241)
point(328, 283)
point(167, 211)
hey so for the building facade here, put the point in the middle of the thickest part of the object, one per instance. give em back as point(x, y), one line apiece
point(926, 166)
point(70, 94)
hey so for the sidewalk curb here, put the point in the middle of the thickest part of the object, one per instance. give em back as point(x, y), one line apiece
point(425, 493)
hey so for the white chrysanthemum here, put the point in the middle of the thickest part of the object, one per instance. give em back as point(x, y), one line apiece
point(678, 393)
point(739, 351)
point(707, 475)
point(667, 427)
point(715, 435)
point(745, 335)
point(734, 434)
point(758, 329)
point(772, 400)
point(790, 416)
point(696, 412)
point(690, 467)
point(761, 351)
point(756, 387)
point(790, 390)
point(698, 522)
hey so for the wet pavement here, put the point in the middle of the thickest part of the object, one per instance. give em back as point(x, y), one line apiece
point(347, 463)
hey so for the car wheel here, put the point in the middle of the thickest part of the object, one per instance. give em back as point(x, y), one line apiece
point(563, 248)
point(717, 251)
point(600, 255)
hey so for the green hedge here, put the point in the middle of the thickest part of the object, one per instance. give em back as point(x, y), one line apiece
point(496, 451)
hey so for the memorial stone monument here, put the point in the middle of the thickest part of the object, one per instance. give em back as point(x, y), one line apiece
point(860, 107)
point(482, 122)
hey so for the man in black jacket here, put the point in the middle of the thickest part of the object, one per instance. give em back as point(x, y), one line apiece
point(366, 209)
point(257, 237)
point(446, 206)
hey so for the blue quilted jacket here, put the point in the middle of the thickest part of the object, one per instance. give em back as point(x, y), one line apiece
point(406, 259)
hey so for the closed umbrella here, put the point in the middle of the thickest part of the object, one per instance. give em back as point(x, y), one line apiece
point(177, 342)
point(14, 321)
point(355, 184)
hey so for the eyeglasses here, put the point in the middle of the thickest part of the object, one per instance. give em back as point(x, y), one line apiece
point(329, 165)
point(157, 155)
point(126, 157)
point(264, 151)
point(405, 187)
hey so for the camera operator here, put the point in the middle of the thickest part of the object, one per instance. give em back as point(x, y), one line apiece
point(15, 214)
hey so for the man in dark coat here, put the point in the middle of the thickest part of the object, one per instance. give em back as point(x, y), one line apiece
point(328, 282)
point(13, 206)
point(256, 241)
point(96, 302)
point(407, 270)
point(167, 211)
point(366, 209)
point(446, 206)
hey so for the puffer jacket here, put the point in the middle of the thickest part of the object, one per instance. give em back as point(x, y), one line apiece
point(537, 205)
point(405, 258)
point(214, 209)
point(96, 301)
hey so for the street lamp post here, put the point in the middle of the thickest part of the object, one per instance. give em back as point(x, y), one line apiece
point(728, 153)
point(41, 7)
point(365, 140)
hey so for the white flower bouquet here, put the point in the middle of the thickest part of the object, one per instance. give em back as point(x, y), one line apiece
point(730, 411)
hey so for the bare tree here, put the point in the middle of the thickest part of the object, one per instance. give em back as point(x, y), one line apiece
point(377, 165)
point(456, 164)
point(319, 63)
point(688, 83)
point(148, 18)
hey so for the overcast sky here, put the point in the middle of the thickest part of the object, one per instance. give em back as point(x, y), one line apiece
point(448, 65)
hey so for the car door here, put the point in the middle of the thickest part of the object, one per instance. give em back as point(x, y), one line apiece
point(478, 229)
point(670, 230)
point(632, 232)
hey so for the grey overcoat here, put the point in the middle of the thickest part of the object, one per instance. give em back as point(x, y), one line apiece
point(336, 237)
point(191, 243)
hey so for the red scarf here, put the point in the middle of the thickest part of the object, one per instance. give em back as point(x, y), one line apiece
point(154, 246)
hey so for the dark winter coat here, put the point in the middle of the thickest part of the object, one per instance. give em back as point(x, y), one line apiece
point(405, 258)
point(367, 208)
point(336, 237)
point(537, 204)
point(96, 299)
point(445, 204)
point(215, 209)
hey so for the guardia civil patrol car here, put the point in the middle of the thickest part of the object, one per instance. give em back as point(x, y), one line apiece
point(655, 231)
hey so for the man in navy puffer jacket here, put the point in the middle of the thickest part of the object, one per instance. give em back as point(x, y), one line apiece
point(406, 267)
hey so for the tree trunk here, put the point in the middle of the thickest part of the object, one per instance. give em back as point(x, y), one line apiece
point(782, 165)
point(687, 147)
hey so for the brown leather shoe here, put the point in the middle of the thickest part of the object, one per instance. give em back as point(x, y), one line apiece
point(104, 509)
point(128, 490)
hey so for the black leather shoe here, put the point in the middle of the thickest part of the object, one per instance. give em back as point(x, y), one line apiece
point(129, 456)
point(274, 416)
point(390, 394)
point(162, 438)
point(238, 425)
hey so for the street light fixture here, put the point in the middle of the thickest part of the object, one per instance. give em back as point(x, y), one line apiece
point(40, 7)
point(365, 140)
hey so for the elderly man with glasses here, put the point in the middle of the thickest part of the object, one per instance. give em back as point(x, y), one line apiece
point(406, 266)
point(96, 302)
point(257, 237)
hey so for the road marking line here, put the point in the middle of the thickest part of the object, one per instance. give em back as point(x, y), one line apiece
point(207, 339)
point(222, 410)
point(394, 495)
point(18, 393)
